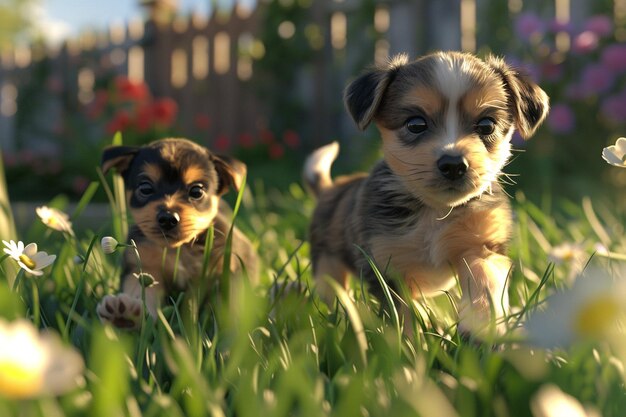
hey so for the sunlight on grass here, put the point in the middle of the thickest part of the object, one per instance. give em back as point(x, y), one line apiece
point(284, 352)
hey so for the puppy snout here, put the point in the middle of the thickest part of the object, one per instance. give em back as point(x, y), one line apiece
point(452, 167)
point(167, 220)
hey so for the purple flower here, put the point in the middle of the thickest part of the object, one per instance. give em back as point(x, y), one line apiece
point(561, 119)
point(614, 57)
point(601, 25)
point(596, 79)
point(614, 108)
point(551, 71)
point(526, 68)
point(529, 25)
point(557, 26)
point(585, 42)
point(575, 92)
point(517, 140)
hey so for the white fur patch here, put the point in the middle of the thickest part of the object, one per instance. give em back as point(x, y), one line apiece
point(453, 79)
point(317, 165)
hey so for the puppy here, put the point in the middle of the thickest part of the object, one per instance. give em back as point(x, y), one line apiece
point(173, 189)
point(432, 210)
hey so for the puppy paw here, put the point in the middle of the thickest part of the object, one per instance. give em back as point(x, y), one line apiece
point(480, 326)
point(121, 311)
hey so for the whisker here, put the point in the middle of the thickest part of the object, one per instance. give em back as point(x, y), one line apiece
point(405, 162)
point(421, 171)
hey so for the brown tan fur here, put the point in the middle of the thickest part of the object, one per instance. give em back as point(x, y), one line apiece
point(424, 219)
point(160, 178)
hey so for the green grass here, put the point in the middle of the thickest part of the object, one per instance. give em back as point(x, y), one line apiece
point(254, 355)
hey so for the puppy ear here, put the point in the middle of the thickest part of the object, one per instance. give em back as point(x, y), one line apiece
point(230, 171)
point(529, 103)
point(363, 96)
point(118, 157)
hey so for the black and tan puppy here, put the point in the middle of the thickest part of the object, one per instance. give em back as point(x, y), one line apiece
point(173, 188)
point(432, 209)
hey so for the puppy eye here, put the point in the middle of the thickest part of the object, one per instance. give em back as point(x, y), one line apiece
point(416, 125)
point(485, 127)
point(145, 189)
point(196, 192)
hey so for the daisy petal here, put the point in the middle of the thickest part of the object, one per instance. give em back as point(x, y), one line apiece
point(30, 250)
point(620, 145)
point(616, 154)
point(42, 259)
point(28, 270)
point(609, 155)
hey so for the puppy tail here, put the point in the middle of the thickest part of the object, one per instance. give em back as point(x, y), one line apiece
point(317, 168)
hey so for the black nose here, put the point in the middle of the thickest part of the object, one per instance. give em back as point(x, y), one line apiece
point(167, 220)
point(452, 167)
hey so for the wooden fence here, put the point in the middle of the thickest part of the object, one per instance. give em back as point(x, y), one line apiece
point(206, 63)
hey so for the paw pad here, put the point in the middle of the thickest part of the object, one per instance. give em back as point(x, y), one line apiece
point(121, 310)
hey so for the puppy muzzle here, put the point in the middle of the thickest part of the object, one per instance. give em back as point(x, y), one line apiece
point(452, 167)
point(167, 220)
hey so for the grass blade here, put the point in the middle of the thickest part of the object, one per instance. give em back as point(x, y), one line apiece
point(387, 292)
point(353, 316)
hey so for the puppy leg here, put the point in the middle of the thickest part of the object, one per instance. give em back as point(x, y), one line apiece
point(483, 282)
point(327, 265)
point(120, 310)
point(124, 310)
point(152, 294)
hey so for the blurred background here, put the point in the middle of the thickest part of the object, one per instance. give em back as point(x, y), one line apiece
point(263, 80)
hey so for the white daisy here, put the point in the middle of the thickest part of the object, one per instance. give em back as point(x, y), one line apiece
point(55, 219)
point(550, 401)
point(616, 154)
point(572, 254)
point(590, 309)
point(33, 364)
point(27, 257)
point(109, 244)
point(566, 252)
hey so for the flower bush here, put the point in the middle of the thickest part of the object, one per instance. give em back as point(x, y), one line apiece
point(128, 106)
point(582, 67)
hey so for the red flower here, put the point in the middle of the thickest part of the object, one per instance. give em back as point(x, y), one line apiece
point(164, 111)
point(10, 159)
point(291, 138)
point(222, 143)
point(144, 118)
point(97, 105)
point(276, 151)
point(79, 184)
point(246, 140)
point(26, 156)
point(267, 136)
point(131, 91)
point(121, 121)
point(202, 121)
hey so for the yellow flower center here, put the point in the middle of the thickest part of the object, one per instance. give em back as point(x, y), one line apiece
point(595, 318)
point(27, 261)
point(18, 380)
